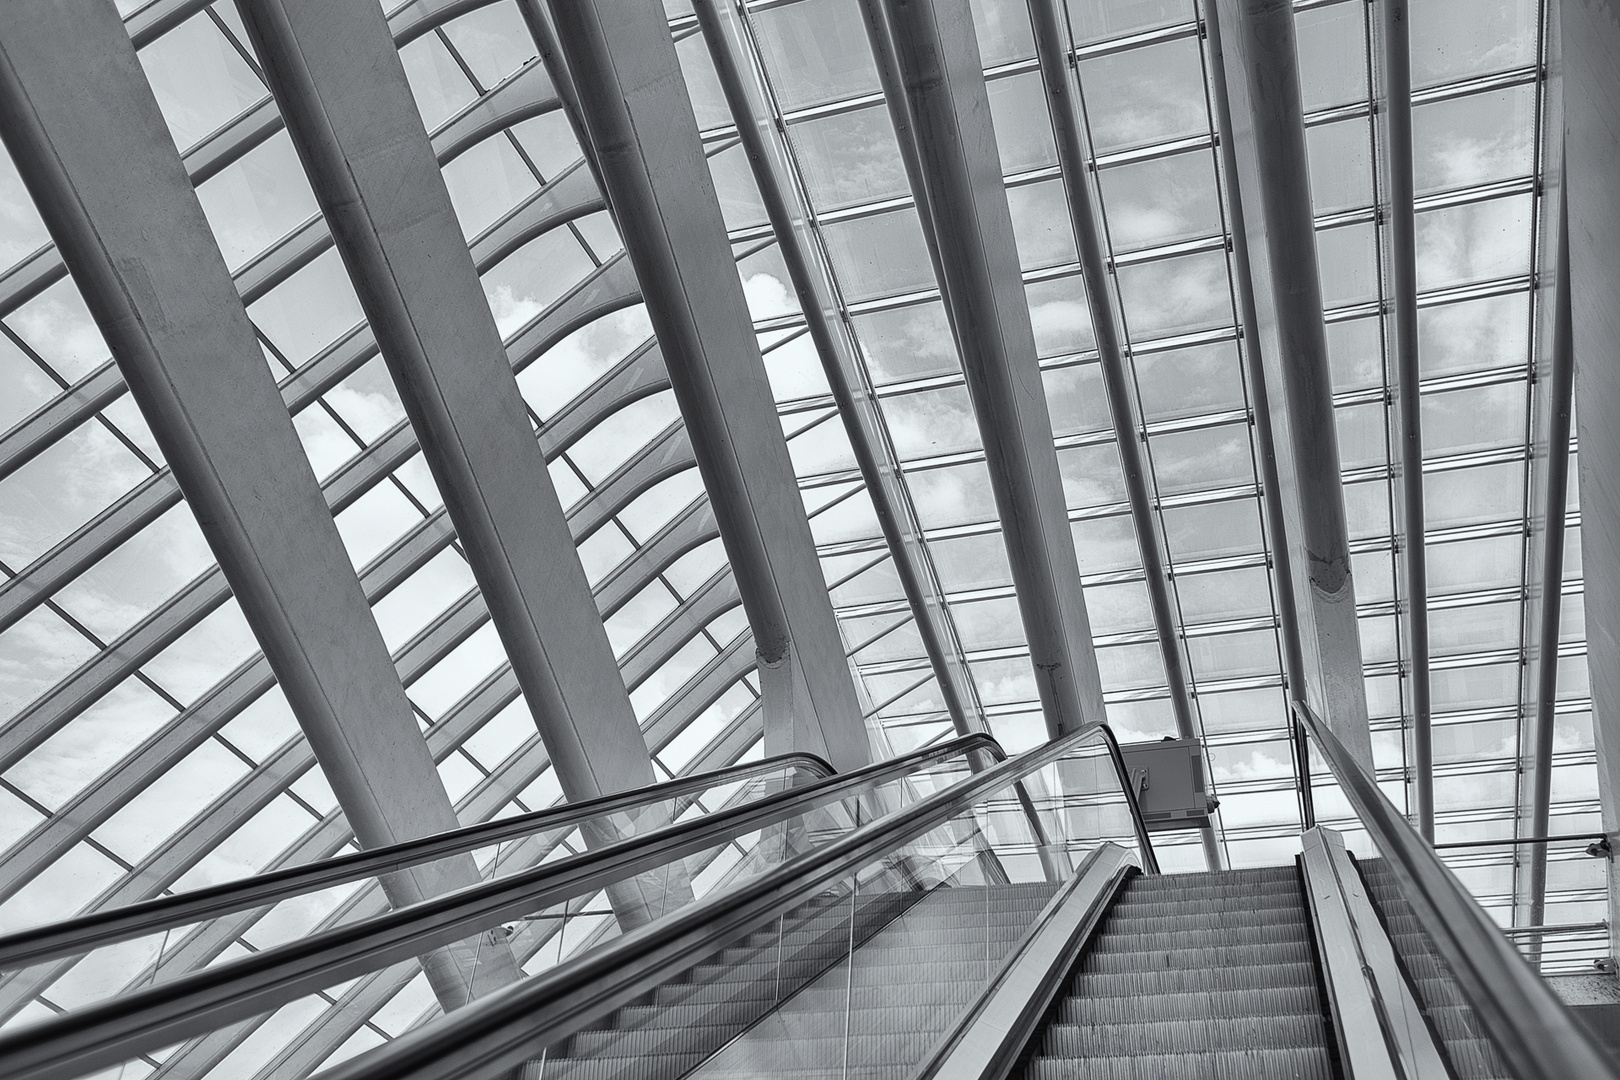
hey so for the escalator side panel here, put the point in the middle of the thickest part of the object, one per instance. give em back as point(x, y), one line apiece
point(1471, 1053)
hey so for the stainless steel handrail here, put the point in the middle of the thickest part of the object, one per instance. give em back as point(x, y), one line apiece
point(72, 937)
point(112, 1031)
point(1536, 1033)
point(500, 1030)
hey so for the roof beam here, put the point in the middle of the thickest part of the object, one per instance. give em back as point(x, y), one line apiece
point(928, 57)
point(1269, 197)
point(1552, 396)
point(615, 63)
point(1590, 40)
point(1052, 49)
point(728, 41)
point(1062, 92)
point(91, 145)
point(1549, 489)
point(336, 73)
point(1392, 60)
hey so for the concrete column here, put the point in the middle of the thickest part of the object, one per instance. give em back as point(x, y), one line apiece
point(1591, 85)
point(1270, 199)
point(618, 62)
point(338, 78)
point(929, 57)
point(86, 134)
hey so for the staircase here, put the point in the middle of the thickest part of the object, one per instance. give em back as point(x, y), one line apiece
point(1472, 1055)
point(1194, 977)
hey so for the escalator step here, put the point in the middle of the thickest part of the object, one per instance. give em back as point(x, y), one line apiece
point(1260, 953)
point(1261, 1001)
point(1175, 981)
point(1127, 939)
point(1183, 1036)
point(1257, 1064)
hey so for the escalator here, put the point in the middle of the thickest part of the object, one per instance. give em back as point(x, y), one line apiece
point(952, 915)
point(1203, 975)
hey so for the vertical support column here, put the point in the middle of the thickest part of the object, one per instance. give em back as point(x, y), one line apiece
point(1393, 62)
point(929, 58)
point(338, 78)
point(1591, 84)
point(1265, 126)
point(726, 37)
point(87, 136)
point(619, 64)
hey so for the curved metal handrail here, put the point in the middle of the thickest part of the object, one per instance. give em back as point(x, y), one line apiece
point(79, 935)
point(114, 1030)
point(1535, 1032)
point(501, 1029)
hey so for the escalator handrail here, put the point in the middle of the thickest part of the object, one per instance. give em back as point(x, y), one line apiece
point(1536, 1033)
point(487, 1034)
point(72, 937)
point(204, 1000)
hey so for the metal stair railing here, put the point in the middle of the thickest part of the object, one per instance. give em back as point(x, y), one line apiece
point(502, 1029)
point(1536, 1034)
point(72, 937)
point(117, 1029)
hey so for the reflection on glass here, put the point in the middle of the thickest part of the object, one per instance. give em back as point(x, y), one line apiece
point(1023, 125)
point(1176, 296)
point(815, 51)
point(849, 158)
point(1147, 95)
point(1161, 201)
point(882, 255)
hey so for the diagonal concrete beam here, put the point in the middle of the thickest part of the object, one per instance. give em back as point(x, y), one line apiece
point(1590, 40)
point(789, 213)
point(1269, 198)
point(928, 57)
point(337, 76)
point(92, 147)
point(617, 62)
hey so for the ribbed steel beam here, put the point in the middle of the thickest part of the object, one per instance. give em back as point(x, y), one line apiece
point(1268, 191)
point(90, 143)
point(1392, 61)
point(726, 32)
point(928, 58)
point(1590, 41)
point(618, 62)
point(1074, 161)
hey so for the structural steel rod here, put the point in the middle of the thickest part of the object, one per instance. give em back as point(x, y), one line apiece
point(934, 81)
point(1280, 551)
point(91, 144)
point(1052, 49)
point(1392, 47)
point(1558, 387)
point(337, 76)
point(632, 108)
point(880, 468)
point(1272, 177)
